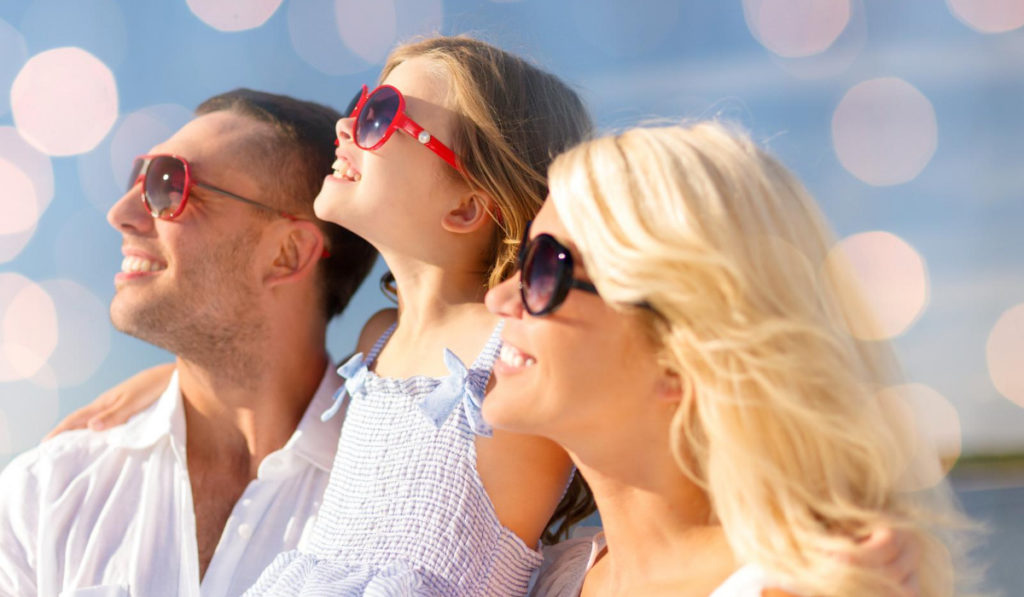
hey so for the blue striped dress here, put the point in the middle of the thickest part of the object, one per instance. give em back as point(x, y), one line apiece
point(405, 512)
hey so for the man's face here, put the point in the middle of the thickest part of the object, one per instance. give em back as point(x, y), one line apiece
point(192, 285)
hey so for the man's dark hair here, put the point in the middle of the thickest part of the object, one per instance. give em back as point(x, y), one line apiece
point(300, 154)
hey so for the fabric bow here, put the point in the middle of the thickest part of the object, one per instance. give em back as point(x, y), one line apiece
point(455, 388)
point(354, 371)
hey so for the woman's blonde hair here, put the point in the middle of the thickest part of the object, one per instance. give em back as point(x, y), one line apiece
point(780, 421)
point(511, 120)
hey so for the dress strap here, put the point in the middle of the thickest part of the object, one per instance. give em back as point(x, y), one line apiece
point(379, 345)
point(480, 372)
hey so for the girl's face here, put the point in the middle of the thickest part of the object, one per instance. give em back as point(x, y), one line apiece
point(574, 374)
point(385, 195)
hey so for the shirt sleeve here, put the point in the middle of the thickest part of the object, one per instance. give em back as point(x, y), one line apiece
point(19, 517)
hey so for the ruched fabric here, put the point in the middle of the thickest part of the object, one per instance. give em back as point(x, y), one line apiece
point(405, 512)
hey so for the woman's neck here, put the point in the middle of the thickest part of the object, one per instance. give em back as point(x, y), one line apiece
point(657, 523)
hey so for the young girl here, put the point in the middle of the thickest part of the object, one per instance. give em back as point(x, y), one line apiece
point(439, 168)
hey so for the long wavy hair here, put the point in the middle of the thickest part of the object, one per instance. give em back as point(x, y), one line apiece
point(780, 420)
point(512, 119)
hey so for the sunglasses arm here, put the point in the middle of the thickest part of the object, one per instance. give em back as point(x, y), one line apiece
point(421, 135)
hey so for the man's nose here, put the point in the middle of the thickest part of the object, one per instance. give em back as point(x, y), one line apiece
point(129, 213)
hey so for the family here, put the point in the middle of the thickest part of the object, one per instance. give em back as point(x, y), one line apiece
point(635, 324)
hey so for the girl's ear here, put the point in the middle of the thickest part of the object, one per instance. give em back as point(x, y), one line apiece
point(473, 211)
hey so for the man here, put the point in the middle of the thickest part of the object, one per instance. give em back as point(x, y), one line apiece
point(226, 267)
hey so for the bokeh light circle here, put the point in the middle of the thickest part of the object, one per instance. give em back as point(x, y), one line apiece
point(930, 427)
point(84, 330)
point(888, 274)
point(368, 28)
point(1004, 353)
point(13, 54)
point(37, 167)
point(317, 40)
point(884, 131)
point(28, 327)
point(234, 15)
point(64, 101)
point(796, 28)
point(19, 208)
point(989, 16)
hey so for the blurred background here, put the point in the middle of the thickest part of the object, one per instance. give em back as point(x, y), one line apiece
point(904, 118)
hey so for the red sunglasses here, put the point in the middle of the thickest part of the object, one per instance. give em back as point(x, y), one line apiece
point(166, 182)
point(378, 114)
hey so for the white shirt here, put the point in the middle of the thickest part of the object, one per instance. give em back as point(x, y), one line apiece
point(98, 514)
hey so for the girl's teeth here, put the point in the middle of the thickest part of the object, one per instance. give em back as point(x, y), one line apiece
point(344, 170)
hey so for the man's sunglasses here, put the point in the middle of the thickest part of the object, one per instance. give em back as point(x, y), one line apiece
point(546, 274)
point(378, 114)
point(166, 183)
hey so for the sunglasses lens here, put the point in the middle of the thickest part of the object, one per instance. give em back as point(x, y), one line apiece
point(543, 268)
point(352, 104)
point(376, 117)
point(164, 186)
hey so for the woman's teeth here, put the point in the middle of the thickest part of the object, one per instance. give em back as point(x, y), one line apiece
point(511, 356)
point(343, 170)
point(131, 265)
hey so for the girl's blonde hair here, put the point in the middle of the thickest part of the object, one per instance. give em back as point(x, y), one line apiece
point(511, 120)
point(779, 420)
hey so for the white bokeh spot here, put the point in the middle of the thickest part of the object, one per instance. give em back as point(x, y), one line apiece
point(796, 28)
point(1004, 353)
point(36, 166)
point(889, 275)
point(28, 327)
point(884, 131)
point(64, 101)
point(234, 15)
point(84, 330)
point(989, 16)
point(368, 28)
point(19, 208)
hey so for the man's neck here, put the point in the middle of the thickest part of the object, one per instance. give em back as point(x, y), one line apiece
point(232, 427)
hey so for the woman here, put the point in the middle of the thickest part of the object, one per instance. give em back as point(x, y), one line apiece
point(672, 329)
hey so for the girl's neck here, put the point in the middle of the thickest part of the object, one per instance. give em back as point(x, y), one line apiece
point(438, 308)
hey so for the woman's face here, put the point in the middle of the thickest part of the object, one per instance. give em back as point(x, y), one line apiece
point(385, 194)
point(573, 374)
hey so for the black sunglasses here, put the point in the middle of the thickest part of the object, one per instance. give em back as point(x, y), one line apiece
point(546, 274)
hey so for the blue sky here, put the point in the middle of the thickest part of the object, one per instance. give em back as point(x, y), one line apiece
point(633, 61)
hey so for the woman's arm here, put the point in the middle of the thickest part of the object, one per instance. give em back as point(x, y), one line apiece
point(118, 404)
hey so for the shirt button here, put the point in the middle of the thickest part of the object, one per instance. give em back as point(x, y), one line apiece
point(245, 531)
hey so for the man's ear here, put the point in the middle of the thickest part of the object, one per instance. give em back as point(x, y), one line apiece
point(474, 210)
point(299, 249)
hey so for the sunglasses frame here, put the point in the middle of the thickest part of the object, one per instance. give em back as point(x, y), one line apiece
point(564, 280)
point(400, 121)
point(190, 182)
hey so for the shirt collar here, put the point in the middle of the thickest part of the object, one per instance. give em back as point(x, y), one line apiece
point(313, 439)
